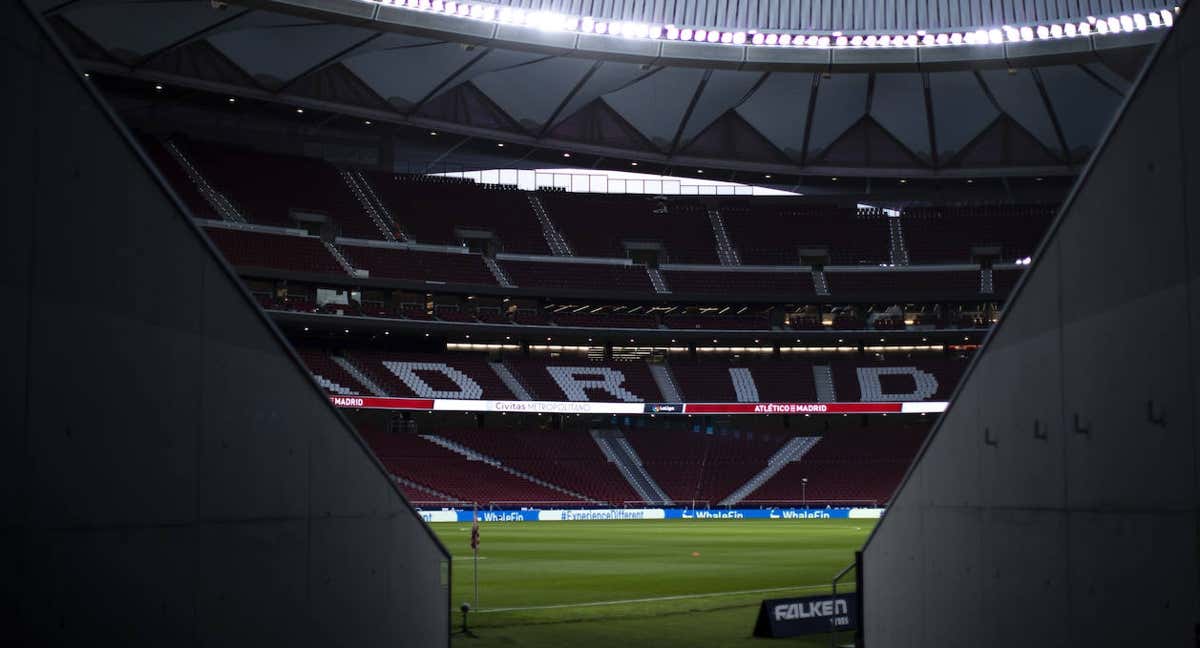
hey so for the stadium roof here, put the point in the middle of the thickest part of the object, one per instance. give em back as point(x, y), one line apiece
point(1026, 105)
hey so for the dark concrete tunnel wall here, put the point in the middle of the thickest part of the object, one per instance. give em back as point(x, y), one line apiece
point(169, 474)
point(1055, 503)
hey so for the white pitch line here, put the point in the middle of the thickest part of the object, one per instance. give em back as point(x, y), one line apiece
point(677, 597)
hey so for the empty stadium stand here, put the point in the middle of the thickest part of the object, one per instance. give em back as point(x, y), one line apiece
point(695, 468)
point(771, 232)
point(253, 249)
point(681, 228)
point(948, 234)
point(395, 262)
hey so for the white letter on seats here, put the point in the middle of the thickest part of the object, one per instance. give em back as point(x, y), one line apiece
point(407, 372)
point(872, 391)
point(575, 381)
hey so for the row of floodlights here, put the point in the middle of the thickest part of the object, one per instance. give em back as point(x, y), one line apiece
point(1007, 34)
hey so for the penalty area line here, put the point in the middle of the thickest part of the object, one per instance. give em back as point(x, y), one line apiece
point(678, 597)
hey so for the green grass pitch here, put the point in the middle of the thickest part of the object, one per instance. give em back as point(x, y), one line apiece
point(641, 583)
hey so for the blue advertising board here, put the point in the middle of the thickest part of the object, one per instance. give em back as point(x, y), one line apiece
point(573, 515)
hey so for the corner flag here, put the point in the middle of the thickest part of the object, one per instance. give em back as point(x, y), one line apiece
point(475, 531)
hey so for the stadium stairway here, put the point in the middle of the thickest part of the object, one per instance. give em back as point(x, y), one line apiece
point(666, 383)
point(791, 452)
point(219, 201)
point(473, 455)
point(510, 380)
point(359, 375)
point(617, 449)
point(352, 180)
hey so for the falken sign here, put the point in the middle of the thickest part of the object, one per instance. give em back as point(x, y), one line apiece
point(792, 617)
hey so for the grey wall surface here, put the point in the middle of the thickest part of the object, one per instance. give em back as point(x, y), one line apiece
point(1056, 502)
point(169, 475)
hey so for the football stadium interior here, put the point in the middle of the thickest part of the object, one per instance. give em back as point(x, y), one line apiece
point(593, 323)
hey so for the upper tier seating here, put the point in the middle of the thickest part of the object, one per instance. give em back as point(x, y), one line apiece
point(743, 322)
point(597, 225)
point(904, 285)
point(771, 232)
point(568, 458)
point(280, 251)
point(414, 265)
point(430, 209)
point(578, 276)
point(266, 187)
point(701, 468)
point(426, 463)
point(776, 380)
point(582, 380)
point(725, 283)
point(947, 234)
point(850, 466)
point(433, 376)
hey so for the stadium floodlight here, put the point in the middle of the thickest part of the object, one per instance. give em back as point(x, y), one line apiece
point(654, 31)
point(1085, 29)
point(942, 39)
point(1155, 20)
point(685, 34)
point(841, 41)
point(1070, 30)
point(1056, 31)
point(812, 41)
point(870, 41)
point(571, 24)
point(1102, 27)
point(1126, 23)
point(928, 39)
point(1167, 17)
point(727, 37)
point(1114, 25)
point(464, 9)
point(587, 25)
point(714, 36)
point(436, 5)
point(995, 36)
point(1139, 21)
point(758, 39)
point(856, 40)
point(672, 32)
point(1043, 32)
point(956, 38)
point(477, 11)
point(823, 41)
point(699, 35)
point(601, 28)
point(786, 39)
point(739, 38)
point(448, 7)
point(772, 39)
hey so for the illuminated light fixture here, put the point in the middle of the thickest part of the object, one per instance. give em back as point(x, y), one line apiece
point(1070, 30)
point(500, 144)
point(870, 41)
point(1011, 34)
point(158, 87)
point(448, 7)
point(956, 38)
point(464, 9)
point(231, 99)
point(685, 34)
point(1139, 21)
point(942, 39)
point(823, 41)
point(489, 14)
point(367, 122)
point(1167, 17)
point(601, 28)
point(476, 11)
point(928, 39)
point(1056, 31)
point(433, 133)
point(1026, 33)
point(900, 41)
point(1114, 25)
point(699, 35)
point(714, 36)
point(768, 176)
point(587, 24)
point(903, 181)
point(856, 40)
point(758, 39)
point(1102, 27)
point(699, 170)
point(786, 39)
point(673, 33)
point(1084, 29)
point(299, 111)
point(1043, 32)
point(842, 41)
point(437, 5)
point(1155, 20)
point(726, 37)
point(566, 155)
point(571, 24)
point(633, 164)
point(995, 36)
point(654, 31)
point(1126, 23)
